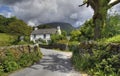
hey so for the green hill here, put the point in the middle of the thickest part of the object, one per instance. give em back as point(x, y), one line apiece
point(64, 26)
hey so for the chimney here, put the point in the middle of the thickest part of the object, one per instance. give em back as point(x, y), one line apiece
point(35, 28)
point(59, 30)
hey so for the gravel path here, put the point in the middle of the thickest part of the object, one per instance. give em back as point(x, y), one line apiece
point(53, 63)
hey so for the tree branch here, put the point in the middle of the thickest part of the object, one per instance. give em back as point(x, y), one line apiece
point(83, 4)
point(113, 3)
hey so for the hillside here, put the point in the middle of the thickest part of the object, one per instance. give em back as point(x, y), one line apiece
point(6, 39)
point(64, 26)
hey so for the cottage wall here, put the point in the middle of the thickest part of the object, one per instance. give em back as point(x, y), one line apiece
point(39, 36)
point(48, 37)
point(42, 36)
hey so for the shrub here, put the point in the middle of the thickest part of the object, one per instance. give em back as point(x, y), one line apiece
point(101, 62)
point(9, 62)
point(1, 70)
point(56, 38)
point(10, 66)
point(73, 45)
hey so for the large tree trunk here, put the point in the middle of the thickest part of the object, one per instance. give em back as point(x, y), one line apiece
point(99, 21)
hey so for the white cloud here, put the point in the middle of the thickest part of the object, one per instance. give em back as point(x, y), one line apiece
point(6, 14)
point(30, 23)
point(44, 11)
point(115, 9)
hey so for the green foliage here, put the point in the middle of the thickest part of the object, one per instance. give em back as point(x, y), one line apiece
point(10, 66)
point(11, 28)
point(73, 45)
point(6, 39)
point(14, 26)
point(57, 38)
point(24, 59)
point(64, 33)
point(1, 70)
point(75, 34)
point(111, 28)
point(19, 28)
point(81, 62)
point(87, 31)
point(9, 62)
point(114, 39)
point(100, 63)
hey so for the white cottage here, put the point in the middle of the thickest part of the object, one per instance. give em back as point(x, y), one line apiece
point(44, 34)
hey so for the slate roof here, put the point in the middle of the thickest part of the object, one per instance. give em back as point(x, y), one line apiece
point(44, 31)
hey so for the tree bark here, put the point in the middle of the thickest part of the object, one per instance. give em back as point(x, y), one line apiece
point(99, 21)
point(100, 8)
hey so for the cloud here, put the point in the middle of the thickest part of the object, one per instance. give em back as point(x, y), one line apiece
point(116, 8)
point(45, 11)
point(10, 2)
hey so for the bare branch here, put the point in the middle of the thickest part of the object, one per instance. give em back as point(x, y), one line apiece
point(113, 3)
point(83, 4)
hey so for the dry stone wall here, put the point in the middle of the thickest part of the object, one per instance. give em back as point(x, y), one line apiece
point(18, 50)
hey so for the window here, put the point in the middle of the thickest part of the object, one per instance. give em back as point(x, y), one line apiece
point(34, 36)
point(44, 36)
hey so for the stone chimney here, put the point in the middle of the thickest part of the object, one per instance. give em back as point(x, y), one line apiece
point(35, 28)
point(59, 30)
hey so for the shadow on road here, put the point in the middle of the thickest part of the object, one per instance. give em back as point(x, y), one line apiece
point(56, 62)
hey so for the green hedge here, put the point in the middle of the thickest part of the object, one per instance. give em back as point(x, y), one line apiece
point(98, 60)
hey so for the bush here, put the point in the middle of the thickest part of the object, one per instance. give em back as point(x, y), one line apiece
point(1, 70)
point(10, 66)
point(100, 62)
point(56, 38)
point(24, 59)
point(9, 62)
point(73, 45)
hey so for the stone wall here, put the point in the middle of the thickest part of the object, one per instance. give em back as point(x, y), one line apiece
point(88, 47)
point(18, 49)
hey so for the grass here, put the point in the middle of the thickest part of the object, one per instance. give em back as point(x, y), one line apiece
point(114, 39)
point(6, 39)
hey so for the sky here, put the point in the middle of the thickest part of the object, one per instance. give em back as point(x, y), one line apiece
point(35, 12)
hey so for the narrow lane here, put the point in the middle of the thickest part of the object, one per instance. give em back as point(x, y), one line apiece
point(53, 63)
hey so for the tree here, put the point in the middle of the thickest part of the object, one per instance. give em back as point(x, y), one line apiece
point(19, 28)
point(100, 8)
point(75, 34)
point(87, 31)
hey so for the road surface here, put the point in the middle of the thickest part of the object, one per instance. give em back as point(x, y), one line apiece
point(53, 63)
